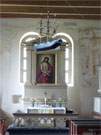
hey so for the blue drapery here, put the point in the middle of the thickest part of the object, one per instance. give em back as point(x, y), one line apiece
point(48, 45)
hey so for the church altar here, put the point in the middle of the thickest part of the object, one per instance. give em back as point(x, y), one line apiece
point(51, 120)
point(40, 123)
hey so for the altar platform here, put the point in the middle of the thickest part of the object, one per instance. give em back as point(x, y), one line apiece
point(37, 131)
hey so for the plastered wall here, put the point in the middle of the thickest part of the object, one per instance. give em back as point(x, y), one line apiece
point(86, 36)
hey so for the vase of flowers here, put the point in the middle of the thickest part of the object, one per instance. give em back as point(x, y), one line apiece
point(33, 102)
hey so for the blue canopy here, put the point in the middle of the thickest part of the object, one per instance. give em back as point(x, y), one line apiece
point(48, 45)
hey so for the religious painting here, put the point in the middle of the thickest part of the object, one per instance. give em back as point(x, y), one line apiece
point(45, 68)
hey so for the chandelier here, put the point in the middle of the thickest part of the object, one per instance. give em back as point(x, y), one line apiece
point(50, 29)
point(46, 40)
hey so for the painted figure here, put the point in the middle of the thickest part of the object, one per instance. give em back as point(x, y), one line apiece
point(45, 74)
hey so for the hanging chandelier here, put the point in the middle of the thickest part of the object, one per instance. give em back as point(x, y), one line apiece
point(49, 29)
point(46, 40)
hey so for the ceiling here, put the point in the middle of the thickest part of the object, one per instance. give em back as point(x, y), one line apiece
point(64, 9)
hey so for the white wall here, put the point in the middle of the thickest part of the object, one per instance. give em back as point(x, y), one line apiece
point(80, 96)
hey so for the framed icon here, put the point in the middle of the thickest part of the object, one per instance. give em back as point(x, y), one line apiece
point(46, 68)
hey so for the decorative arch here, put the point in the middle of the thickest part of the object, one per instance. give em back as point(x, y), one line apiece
point(70, 60)
point(23, 54)
point(29, 35)
point(69, 55)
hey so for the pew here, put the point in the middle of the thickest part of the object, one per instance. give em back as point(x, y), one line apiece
point(80, 125)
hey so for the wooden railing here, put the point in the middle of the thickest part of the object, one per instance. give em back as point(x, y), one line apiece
point(80, 126)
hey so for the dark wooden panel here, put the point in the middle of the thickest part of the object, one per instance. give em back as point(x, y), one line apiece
point(70, 9)
point(54, 2)
point(37, 131)
point(26, 9)
point(88, 17)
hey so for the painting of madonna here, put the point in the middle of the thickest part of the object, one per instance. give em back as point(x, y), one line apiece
point(45, 70)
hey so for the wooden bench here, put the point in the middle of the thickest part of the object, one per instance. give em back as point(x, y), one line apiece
point(82, 125)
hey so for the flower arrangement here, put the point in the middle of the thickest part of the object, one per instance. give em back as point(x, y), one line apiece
point(33, 101)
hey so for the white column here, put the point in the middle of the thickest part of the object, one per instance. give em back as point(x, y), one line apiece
point(99, 75)
point(97, 104)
